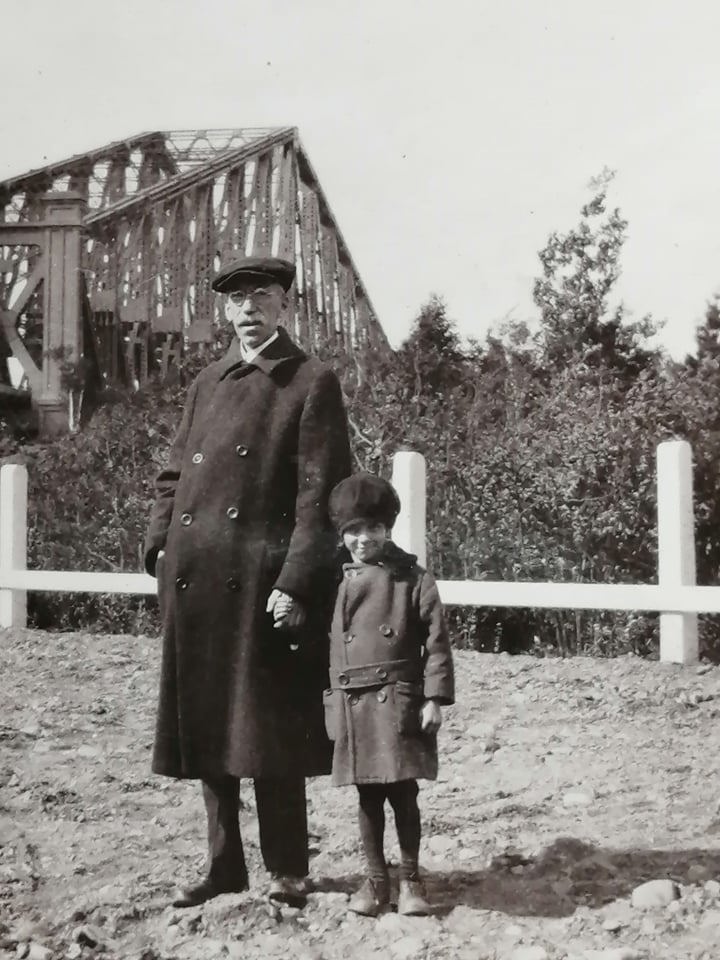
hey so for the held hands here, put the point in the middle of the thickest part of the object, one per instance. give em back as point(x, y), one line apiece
point(287, 613)
point(430, 717)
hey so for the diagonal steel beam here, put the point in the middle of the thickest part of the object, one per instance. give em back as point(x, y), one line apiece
point(170, 189)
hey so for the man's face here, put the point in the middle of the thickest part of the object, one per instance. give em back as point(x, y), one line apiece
point(255, 311)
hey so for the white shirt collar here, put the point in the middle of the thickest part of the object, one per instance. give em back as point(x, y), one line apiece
point(249, 354)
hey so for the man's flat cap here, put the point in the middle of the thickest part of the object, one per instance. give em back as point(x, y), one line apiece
point(238, 273)
point(363, 497)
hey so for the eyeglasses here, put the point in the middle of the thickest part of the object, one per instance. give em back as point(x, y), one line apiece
point(256, 293)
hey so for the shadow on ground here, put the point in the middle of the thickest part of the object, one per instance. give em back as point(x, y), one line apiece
point(566, 874)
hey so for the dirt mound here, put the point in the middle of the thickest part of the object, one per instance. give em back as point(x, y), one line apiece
point(565, 787)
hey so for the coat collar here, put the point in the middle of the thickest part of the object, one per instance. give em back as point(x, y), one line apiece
point(278, 352)
point(393, 558)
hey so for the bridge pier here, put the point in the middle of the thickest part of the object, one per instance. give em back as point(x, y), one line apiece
point(62, 334)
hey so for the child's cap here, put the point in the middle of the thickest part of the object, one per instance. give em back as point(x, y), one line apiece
point(363, 497)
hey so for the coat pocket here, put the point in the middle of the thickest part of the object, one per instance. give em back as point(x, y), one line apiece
point(408, 704)
point(331, 707)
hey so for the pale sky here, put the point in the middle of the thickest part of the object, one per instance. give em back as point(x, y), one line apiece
point(450, 136)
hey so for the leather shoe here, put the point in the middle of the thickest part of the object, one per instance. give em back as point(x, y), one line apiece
point(411, 899)
point(371, 899)
point(290, 890)
point(206, 890)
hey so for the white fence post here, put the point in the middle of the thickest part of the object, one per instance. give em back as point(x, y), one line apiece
point(408, 478)
point(13, 540)
point(676, 547)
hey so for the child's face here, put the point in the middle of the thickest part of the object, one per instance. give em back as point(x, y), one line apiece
point(365, 540)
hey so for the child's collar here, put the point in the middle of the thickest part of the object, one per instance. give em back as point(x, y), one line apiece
point(392, 556)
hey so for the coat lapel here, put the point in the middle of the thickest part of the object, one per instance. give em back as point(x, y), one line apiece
point(280, 351)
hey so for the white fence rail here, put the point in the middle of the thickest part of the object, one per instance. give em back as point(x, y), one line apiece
point(676, 596)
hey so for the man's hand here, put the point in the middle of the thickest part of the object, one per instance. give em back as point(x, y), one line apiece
point(430, 717)
point(287, 613)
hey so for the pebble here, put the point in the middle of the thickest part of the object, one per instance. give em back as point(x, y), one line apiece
point(697, 873)
point(88, 751)
point(86, 936)
point(468, 853)
point(484, 732)
point(578, 798)
point(529, 953)
point(712, 889)
point(711, 919)
point(464, 921)
point(648, 927)
point(38, 952)
point(441, 844)
point(653, 894)
point(407, 947)
point(612, 953)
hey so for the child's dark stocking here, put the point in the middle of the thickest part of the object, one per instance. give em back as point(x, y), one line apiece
point(371, 815)
point(403, 799)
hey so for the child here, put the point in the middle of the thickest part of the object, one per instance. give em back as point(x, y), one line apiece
point(390, 670)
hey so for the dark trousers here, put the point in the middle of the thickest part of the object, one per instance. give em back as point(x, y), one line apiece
point(371, 814)
point(282, 824)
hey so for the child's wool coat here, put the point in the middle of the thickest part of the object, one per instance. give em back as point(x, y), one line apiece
point(389, 652)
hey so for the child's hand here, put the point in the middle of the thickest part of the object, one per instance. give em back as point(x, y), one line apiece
point(287, 612)
point(430, 717)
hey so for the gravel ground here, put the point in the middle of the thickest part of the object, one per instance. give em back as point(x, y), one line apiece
point(566, 785)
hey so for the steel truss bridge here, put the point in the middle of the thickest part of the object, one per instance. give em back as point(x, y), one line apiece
point(106, 258)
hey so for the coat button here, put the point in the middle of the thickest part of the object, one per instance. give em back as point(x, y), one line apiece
point(381, 673)
point(181, 583)
point(232, 584)
point(382, 696)
point(186, 519)
point(233, 513)
point(343, 679)
point(349, 637)
point(241, 450)
point(386, 630)
point(354, 699)
point(198, 458)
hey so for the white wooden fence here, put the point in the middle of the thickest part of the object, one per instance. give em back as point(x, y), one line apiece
point(675, 596)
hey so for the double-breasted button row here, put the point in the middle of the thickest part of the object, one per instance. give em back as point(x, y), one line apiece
point(355, 698)
point(241, 450)
point(231, 583)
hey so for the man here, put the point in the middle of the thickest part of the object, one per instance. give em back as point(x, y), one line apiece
point(242, 546)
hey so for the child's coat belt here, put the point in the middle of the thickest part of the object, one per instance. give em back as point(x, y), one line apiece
point(375, 674)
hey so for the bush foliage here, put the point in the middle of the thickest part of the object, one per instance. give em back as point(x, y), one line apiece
point(540, 447)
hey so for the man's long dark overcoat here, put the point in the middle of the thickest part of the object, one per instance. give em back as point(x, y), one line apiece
point(241, 509)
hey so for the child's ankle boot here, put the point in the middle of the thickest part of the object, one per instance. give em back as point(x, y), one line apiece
point(411, 899)
point(372, 897)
